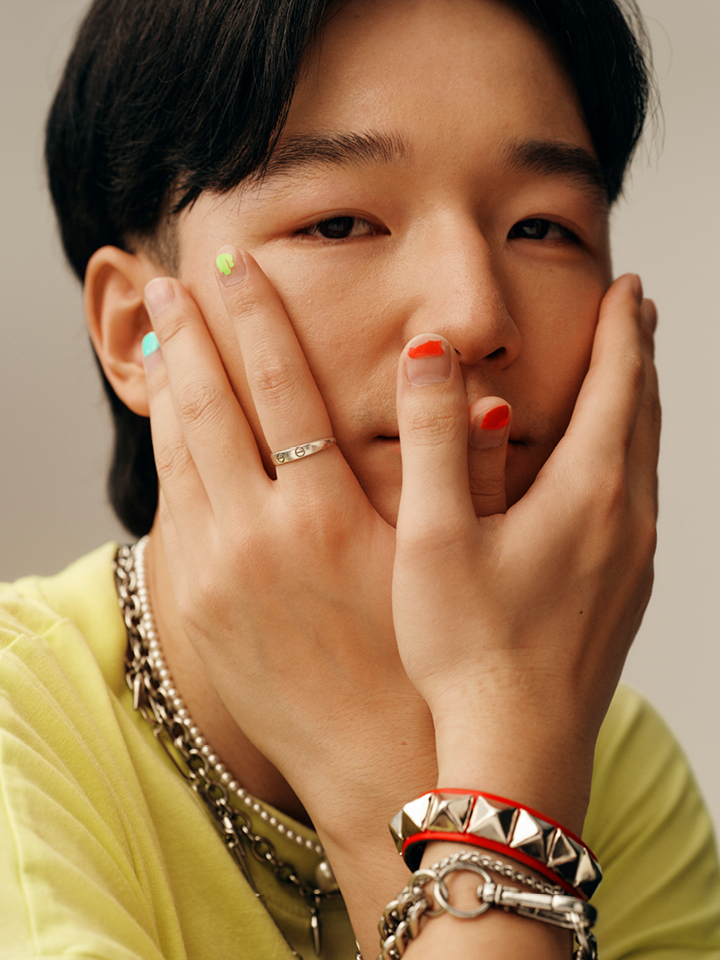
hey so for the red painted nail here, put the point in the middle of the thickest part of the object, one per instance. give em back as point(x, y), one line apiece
point(431, 348)
point(497, 418)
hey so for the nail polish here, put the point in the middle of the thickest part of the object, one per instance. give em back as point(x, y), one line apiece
point(497, 418)
point(230, 266)
point(428, 362)
point(150, 343)
point(431, 348)
point(489, 431)
point(152, 354)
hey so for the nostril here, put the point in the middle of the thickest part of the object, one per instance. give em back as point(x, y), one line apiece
point(496, 354)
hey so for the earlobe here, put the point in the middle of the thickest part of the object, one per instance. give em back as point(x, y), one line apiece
point(117, 319)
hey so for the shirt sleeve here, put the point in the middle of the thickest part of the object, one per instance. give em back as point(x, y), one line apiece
point(651, 832)
point(70, 822)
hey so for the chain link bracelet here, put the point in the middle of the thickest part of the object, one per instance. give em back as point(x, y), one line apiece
point(401, 920)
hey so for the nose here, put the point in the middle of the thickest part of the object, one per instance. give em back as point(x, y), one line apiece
point(462, 297)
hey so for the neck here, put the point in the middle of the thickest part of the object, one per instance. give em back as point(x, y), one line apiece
point(248, 766)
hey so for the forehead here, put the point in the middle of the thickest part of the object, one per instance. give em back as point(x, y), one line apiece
point(387, 64)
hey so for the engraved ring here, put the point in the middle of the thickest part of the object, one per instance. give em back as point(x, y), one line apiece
point(304, 450)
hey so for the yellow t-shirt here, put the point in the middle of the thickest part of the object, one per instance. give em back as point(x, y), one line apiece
point(106, 853)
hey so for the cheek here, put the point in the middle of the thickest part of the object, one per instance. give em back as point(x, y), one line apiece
point(558, 326)
point(341, 315)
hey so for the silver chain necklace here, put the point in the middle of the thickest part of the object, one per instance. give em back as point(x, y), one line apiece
point(157, 700)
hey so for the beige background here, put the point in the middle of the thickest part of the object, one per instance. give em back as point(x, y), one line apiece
point(54, 430)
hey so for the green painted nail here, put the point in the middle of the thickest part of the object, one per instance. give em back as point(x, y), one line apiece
point(150, 343)
point(225, 263)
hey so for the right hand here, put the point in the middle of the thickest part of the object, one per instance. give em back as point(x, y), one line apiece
point(283, 585)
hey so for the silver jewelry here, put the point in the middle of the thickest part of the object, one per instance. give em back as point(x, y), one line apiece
point(157, 700)
point(304, 450)
point(401, 920)
point(474, 818)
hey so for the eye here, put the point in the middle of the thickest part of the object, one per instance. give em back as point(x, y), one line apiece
point(540, 229)
point(340, 228)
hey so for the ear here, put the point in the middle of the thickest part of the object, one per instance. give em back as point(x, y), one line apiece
point(117, 319)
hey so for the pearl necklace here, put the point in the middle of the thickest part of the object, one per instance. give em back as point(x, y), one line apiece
point(158, 701)
point(181, 713)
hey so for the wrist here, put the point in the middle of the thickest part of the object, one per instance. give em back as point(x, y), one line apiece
point(546, 768)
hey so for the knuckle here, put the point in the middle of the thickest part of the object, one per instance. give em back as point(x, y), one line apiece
point(273, 379)
point(487, 489)
point(611, 492)
point(173, 322)
point(172, 459)
point(432, 428)
point(634, 368)
point(645, 535)
point(198, 404)
point(654, 409)
point(442, 538)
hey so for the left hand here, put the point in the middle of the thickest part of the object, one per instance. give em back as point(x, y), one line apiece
point(514, 626)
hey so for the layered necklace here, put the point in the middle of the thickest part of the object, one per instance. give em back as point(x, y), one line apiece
point(157, 700)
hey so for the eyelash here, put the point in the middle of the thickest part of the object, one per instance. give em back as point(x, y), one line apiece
point(345, 224)
point(542, 227)
point(522, 230)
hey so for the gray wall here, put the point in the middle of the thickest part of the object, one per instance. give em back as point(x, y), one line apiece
point(54, 431)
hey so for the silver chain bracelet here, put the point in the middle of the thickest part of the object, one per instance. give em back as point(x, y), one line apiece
point(401, 920)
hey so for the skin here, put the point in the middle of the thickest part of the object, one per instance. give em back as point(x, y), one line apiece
point(436, 617)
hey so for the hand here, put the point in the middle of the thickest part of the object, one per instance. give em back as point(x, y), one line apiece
point(514, 626)
point(283, 585)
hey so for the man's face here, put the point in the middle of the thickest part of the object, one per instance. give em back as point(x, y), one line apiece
point(434, 176)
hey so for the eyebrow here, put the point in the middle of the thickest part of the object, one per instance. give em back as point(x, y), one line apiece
point(304, 151)
point(554, 158)
point(300, 153)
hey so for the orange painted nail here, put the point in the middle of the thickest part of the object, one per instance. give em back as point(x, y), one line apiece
point(431, 348)
point(497, 418)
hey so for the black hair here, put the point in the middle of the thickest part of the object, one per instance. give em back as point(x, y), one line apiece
point(163, 99)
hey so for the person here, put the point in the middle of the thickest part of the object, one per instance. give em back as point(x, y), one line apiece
point(372, 237)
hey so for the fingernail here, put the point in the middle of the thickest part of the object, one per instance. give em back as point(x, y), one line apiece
point(230, 266)
point(489, 430)
point(648, 312)
point(428, 361)
point(497, 418)
point(159, 294)
point(637, 288)
point(150, 343)
point(151, 351)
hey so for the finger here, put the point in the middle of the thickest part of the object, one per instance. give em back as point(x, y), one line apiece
point(207, 448)
point(489, 432)
point(645, 445)
point(290, 408)
point(606, 411)
point(433, 428)
point(173, 462)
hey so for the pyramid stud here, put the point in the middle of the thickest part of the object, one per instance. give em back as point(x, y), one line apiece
point(396, 830)
point(414, 815)
point(561, 850)
point(587, 874)
point(531, 835)
point(492, 823)
point(564, 856)
point(450, 812)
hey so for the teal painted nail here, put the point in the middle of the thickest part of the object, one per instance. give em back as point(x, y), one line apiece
point(150, 343)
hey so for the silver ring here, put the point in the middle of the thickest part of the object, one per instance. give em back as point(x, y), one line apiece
point(304, 450)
